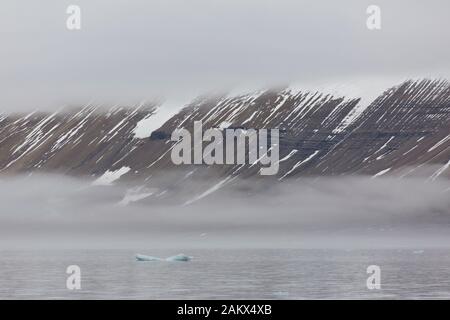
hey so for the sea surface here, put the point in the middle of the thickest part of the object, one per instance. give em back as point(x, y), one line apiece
point(227, 274)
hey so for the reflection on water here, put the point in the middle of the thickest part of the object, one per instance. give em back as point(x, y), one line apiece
point(227, 274)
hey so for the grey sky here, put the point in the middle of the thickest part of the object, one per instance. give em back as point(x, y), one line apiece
point(131, 50)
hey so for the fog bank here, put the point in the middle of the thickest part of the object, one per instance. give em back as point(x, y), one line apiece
point(59, 212)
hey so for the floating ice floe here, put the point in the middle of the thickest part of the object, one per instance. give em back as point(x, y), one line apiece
point(141, 257)
point(178, 257)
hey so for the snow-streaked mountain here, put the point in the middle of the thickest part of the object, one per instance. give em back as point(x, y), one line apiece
point(405, 131)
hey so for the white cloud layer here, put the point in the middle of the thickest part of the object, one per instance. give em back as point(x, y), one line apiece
point(127, 51)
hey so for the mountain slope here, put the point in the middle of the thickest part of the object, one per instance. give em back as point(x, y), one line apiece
point(404, 131)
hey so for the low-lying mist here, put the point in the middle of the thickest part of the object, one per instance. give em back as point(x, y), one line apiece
point(46, 211)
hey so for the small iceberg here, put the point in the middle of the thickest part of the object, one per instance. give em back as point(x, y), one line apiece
point(142, 257)
point(178, 257)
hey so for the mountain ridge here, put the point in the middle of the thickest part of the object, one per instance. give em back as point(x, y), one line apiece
point(405, 131)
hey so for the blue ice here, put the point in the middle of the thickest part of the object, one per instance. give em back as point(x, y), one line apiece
point(178, 257)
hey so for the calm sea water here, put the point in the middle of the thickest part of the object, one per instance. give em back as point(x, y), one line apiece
point(227, 274)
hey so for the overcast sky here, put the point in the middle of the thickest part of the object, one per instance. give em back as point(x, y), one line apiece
point(131, 50)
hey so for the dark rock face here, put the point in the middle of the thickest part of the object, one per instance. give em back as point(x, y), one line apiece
point(160, 135)
point(404, 131)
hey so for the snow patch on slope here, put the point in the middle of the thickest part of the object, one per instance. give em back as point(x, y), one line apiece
point(135, 194)
point(382, 172)
point(225, 125)
point(300, 163)
point(110, 176)
point(213, 189)
point(155, 120)
point(447, 138)
point(440, 171)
